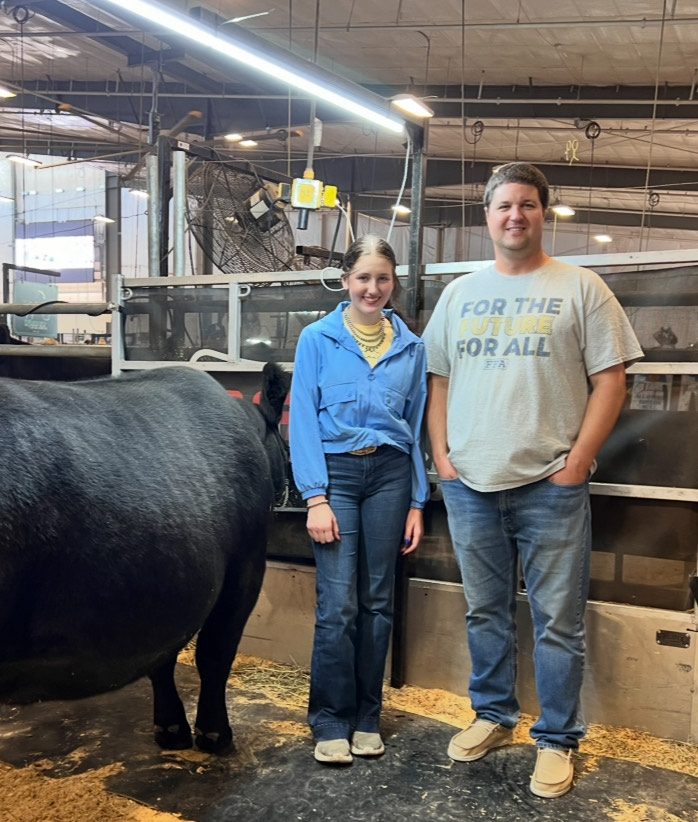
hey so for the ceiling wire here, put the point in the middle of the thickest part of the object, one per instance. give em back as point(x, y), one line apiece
point(21, 20)
point(591, 189)
point(462, 116)
point(288, 102)
point(652, 124)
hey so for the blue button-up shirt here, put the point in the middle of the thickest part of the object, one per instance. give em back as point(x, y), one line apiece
point(340, 404)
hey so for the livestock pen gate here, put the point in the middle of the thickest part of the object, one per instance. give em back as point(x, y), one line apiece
point(642, 669)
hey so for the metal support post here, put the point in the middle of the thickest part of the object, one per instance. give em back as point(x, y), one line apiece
point(151, 165)
point(164, 160)
point(414, 299)
point(113, 235)
point(207, 227)
point(414, 303)
point(179, 194)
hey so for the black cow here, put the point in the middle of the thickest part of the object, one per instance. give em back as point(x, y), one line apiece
point(133, 513)
point(48, 367)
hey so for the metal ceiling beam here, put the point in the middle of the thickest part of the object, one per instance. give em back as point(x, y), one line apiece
point(367, 174)
point(649, 21)
point(441, 214)
point(585, 102)
point(134, 51)
point(542, 101)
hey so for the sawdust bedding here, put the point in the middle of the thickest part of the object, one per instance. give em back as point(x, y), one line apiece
point(27, 795)
point(286, 685)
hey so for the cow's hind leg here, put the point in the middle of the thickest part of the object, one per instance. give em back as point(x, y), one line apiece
point(172, 730)
point(217, 645)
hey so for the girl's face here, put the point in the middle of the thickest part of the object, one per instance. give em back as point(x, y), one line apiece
point(369, 285)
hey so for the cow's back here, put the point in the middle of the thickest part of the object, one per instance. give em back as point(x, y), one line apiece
point(120, 500)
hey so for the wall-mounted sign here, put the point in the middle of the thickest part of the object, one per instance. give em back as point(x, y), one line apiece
point(35, 325)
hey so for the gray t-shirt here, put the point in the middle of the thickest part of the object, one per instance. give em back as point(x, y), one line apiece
point(518, 351)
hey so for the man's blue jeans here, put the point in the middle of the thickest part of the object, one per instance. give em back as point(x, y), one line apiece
point(548, 527)
point(370, 496)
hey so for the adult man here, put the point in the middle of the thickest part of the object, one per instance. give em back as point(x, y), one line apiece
point(512, 350)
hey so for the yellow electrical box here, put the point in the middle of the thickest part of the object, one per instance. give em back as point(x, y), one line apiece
point(306, 193)
point(329, 197)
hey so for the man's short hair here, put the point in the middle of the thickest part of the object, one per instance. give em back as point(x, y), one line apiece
point(522, 173)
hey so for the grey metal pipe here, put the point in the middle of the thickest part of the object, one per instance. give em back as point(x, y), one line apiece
point(24, 309)
point(151, 167)
point(94, 352)
point(179, 193)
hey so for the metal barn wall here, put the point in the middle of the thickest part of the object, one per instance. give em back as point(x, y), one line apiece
point(631, 680)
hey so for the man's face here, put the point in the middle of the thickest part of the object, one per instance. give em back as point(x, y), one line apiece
point(515, 219)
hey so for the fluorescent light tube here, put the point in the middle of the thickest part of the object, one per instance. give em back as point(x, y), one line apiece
point(225, 44)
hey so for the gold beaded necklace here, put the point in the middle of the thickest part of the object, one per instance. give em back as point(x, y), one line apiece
point(368, 342)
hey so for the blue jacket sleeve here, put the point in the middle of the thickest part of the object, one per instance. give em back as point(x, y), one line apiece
point(307, 455)
point(415, 416)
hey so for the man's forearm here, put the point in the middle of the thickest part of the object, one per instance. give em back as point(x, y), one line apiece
point(603, 408)
point(437, 405)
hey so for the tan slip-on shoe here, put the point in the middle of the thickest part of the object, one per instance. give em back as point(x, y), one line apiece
point(367, 744)
point(333, 752)
point(553, 773)
point(478, 739)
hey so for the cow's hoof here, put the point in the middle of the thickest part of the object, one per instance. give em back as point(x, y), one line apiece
point(174, 737)
point(214, 742)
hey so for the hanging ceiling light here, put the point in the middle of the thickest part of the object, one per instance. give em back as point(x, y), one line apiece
point(401, 210)
point(562, 210)
point(6, 93)
point(254, 52)
point(412, 106)
point(603, 238)
point(4, 199)
point(100, 218)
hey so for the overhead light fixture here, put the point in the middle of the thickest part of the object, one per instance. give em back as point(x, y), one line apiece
point(401, 210)
point(256, 53)
point(603, 238)
point(6, 93)
point(4, 199)
point(20, 159)
point(100, 218)
point(562, 210)
point(247, 143)
point(233, 138)
point(412, 106)
point(137, 192)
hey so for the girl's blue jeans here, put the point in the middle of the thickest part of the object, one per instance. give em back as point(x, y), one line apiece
point(370, 496)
